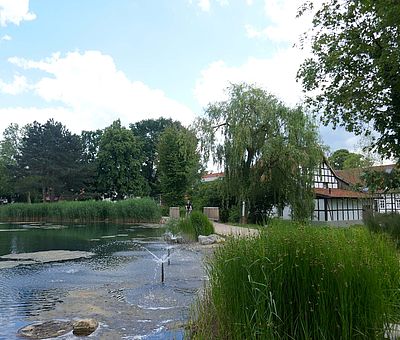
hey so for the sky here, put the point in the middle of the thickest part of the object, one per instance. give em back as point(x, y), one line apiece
point(88, 63)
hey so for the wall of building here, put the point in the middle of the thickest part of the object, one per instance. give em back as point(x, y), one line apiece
point(387, 203)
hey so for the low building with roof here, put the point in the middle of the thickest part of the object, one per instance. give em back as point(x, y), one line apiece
point(384, 200)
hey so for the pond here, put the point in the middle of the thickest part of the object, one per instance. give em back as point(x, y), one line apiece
point(120, 286)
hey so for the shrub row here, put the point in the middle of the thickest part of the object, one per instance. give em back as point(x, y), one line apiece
point(133, 210)
point(301, 283)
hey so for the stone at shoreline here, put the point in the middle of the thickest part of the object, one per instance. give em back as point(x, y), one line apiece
point(170, 238)
point(210, 239)
point(49, 256)
point(47, 329)
point(12, 264)
point(85, 327)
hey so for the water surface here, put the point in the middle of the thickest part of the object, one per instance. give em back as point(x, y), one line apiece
point(120, 286)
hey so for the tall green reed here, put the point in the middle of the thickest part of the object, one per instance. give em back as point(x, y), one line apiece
point(134, 210)
point(301, 283)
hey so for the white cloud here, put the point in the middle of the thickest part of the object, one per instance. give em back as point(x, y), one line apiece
point(204, 5)
point(6, 37)
point(283, 26)
point(18, 86)
point(15, 11)
point(276, 74)
point(93, 92)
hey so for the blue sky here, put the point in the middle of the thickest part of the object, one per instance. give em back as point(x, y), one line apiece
point(87, 63)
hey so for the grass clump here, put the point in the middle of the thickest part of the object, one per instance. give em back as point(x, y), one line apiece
point(192, 226)
point(301, 283)
point(133, 210)
point(384, 223)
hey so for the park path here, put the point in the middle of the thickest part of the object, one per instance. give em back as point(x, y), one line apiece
point(229, 230)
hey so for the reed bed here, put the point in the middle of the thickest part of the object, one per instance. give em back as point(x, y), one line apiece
point(133, 210)
point(301, 283)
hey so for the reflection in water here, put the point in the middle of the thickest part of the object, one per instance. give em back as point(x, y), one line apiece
point(119, 286)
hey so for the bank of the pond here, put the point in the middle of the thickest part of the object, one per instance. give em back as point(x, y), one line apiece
point(132, 210)
point(301, 283)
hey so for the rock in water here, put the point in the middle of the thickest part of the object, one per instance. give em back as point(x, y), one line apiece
point(47, 329)
point(85, 327)
point(210, 239)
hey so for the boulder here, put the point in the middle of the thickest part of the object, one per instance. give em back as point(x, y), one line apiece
point(47, 329)
point(171, 238)
point(210, 239)
point(84, 327)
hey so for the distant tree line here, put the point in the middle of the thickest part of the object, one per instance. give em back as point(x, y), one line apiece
point(46, 162)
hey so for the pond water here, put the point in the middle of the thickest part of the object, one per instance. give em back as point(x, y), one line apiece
point(120, 286)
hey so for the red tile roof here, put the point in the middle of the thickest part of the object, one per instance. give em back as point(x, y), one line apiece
point(353, 176)
point(339, 193)
point(213, 175)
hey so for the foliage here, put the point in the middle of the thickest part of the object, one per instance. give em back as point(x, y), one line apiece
point(49, 158)
point(381, 180)
point(353, 75)
point(208, 194)
point(135, 210)
point(148, 132)
point(344, 159)
point(90, 144)
point(178, 164)
point(119, 162)
point(268, 150)
point(384, 223)
point(301, 283)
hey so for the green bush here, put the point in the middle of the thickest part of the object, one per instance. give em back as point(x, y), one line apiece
point(133, 210)
point(386, 223)
point(301, 283)
point(192, 226)
point(201, 223)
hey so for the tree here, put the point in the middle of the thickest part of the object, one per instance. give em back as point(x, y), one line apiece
point(148, 132)
point(337, 159)
point(355, 69)
point(179, 164)
point(344, 159)
point(90, 143)
point(268, 151)
point(355, 160)
point(119, 162)
point(49, 157)
point(9, 151)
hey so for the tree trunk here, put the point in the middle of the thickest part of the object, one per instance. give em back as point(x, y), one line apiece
point(28, 197)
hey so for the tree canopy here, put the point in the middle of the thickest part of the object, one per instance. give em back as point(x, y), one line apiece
point(148, 132)
point(119, 162)
point(179, 164)
point(344, 159)
point(353, 75)
point(49, 156)
point(268, 150)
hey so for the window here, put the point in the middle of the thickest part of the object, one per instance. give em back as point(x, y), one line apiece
point(397, 203)
point(381, 204)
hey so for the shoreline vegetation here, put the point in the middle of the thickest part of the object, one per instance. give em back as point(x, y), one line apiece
point(191, 226)
point(300, 282)
point(141, 210)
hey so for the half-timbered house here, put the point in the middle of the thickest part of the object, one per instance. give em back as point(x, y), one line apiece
point(384, 201)
point(335, 199)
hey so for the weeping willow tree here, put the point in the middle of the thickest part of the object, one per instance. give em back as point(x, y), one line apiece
point(268, 151)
